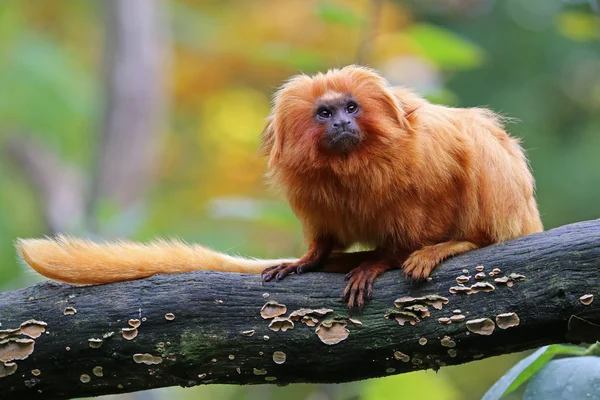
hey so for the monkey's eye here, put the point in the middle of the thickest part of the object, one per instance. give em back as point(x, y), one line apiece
point(323, 113)
point(351, 108)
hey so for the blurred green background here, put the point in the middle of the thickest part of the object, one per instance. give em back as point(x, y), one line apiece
point(141, 118)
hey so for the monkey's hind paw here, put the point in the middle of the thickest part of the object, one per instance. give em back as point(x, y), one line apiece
point(360, 286)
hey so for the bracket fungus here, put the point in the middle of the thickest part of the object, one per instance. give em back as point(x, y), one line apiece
point(272, 309)
point(586, 299)
point(279, 357)
point(418, 309)
point(434, 300)
point(460, 289)
point(129, 333)
point(400, 356)
point(482, 287)
point(95, 343)
point(169, 317)
point(15, 349)
point(510, 279)
point(281, 324)
point(457, 318)
point(448, 342)
point(309, 321)
point(507, 320)
point(147, 359)
point(134, 323)
point(70, 311)
point(403, 317)
point(31, 328)
point(332, 332)
point(7, 368)
point(317, 312)
point(481, 326)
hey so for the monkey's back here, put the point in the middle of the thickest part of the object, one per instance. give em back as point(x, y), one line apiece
point(498, 187)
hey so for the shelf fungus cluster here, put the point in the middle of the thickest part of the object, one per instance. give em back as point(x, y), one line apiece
point(510, 279)
point(329, 331)
point(486, 326)
point(480, 285)
point(413, 309)
point(18, 344)
point(456, 317)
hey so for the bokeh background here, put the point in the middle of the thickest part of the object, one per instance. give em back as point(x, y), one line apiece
point(140, 118)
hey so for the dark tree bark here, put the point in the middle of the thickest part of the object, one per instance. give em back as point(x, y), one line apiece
point(217, 334)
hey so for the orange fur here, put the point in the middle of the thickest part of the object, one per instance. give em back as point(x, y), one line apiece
point(429, 180)
point(426, 182)
point(82, 261)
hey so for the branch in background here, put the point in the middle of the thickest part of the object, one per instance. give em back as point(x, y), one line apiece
point(364, 47)
point(137, 45)
point(61, 186)
point(207, 328)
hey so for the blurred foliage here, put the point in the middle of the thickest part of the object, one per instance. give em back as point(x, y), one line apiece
point(536, 61)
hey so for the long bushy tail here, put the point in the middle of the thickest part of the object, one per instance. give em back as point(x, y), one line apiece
point(82, 261)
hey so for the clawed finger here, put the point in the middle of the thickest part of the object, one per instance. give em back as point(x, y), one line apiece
point(354, 294)
point(278, 272)
point(268, 273)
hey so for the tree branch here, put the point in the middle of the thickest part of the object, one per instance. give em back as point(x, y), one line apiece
point(218, 335)
point(61, 186)
point(137, 44)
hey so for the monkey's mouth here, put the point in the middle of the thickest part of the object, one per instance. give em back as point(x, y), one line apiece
point(342, 141)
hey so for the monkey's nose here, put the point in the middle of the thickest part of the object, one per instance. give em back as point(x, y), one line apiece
point(341, 123)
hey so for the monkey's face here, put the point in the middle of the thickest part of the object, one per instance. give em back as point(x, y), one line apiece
point(333, 120)
point(337, 116)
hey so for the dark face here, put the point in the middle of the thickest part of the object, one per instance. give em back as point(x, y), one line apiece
point(338, 117)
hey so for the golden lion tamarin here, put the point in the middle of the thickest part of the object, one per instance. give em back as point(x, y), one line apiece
point(360, 162)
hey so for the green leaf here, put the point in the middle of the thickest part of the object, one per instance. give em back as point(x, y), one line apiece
point(445, 48)
point(527, 367)
point(336, 14)
point(578, 26)
point(568, 378)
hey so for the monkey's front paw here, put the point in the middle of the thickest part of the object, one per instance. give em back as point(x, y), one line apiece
point(419, 265)
point(281, 271)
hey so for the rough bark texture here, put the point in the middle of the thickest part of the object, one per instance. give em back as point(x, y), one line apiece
point(204, 343)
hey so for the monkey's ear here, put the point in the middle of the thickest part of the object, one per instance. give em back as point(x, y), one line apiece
point(404, 104)
point(271, 141)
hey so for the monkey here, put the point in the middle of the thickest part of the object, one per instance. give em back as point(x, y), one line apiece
point(360, 162)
